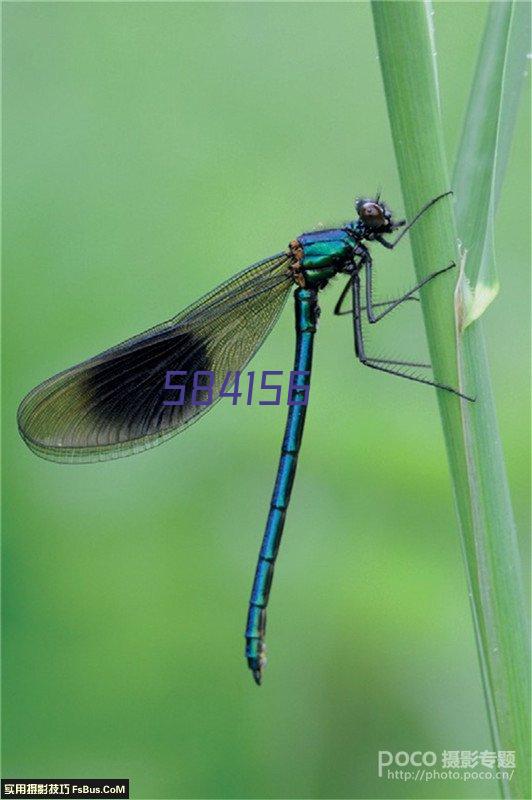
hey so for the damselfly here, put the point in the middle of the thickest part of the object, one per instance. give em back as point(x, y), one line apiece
point(117, 403)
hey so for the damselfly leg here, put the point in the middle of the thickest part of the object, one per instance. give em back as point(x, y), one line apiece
point(372, 317)
point(409, 225)
point(339, 311)
point(377, 363)
point(388, 304)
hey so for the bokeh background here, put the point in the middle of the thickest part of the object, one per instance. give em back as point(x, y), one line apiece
point(150, 151)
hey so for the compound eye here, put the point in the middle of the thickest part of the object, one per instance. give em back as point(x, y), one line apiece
point(371, 213)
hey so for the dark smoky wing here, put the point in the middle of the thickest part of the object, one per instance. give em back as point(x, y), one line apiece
point(114, 404)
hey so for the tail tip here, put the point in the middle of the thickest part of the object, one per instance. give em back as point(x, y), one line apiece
point(256, 663)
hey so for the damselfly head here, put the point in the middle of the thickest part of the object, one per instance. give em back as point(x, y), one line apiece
point(375, 215)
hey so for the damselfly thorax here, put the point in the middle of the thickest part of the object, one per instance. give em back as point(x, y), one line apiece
point(320, 255)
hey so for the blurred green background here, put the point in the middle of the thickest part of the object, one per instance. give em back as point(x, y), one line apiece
point(150, 151)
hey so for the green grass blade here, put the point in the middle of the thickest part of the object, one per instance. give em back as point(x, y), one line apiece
point(484, 150)
point(516, 69)
point(406, 53)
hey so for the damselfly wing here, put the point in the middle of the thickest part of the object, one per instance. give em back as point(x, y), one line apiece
point(112, 405)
